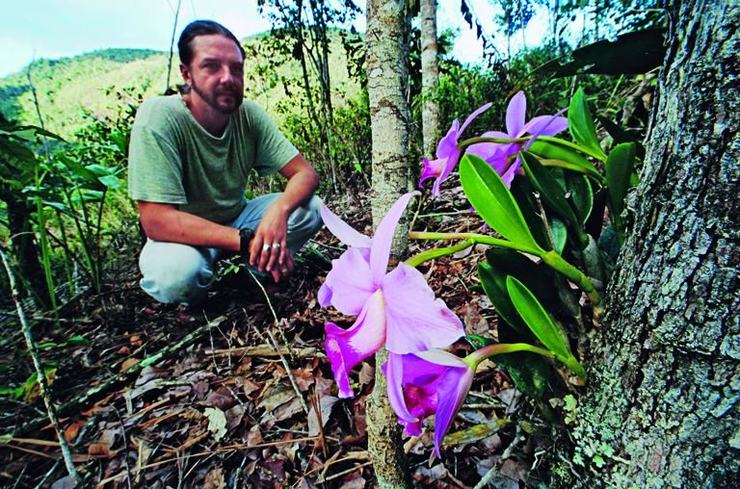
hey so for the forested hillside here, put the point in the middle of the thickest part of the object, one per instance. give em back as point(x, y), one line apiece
point(69, 90)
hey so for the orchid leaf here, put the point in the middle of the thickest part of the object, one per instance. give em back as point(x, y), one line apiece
point(538, 277)
point(529, 372)
point(542, 325)
point(581, 195)
point(495, 204)
point(554, 151)
point(558, 233)
point(529, 204)
point(618, 171)
point(478, 341)
point(549, 188)
point(581, 125)
point(494, 284)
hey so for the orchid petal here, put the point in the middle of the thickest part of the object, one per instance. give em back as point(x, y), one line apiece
point(516, 113)
point(381, 246)
point(475, 114)
point(349, 284)
point(346, 348)
point(511, 172)
point(452, 389)
point(393, 370)
point(545, 125)
point(415, 320)
point(346, 233)
point(431, 169)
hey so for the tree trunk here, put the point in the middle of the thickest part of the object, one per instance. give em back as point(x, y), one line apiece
point(429, 76)
point(386, 82)
point(666, 376)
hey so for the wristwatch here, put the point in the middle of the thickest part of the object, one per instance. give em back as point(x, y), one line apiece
point(245, 236)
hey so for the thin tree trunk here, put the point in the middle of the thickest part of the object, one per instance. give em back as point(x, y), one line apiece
point(387, 75)
point(172, 43)
point(429, 76)
point(666, 375)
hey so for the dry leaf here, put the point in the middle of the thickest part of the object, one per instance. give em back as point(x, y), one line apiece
point(278, 395)
point(326, 404)
point(216, 422)
point(367, 374)
point(220, 398)
point(128, 363)
point(215, 479)
point(254, 436)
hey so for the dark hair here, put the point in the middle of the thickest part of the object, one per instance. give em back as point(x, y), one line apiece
point(201, 28)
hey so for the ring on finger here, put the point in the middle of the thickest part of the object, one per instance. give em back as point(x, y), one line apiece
point(266, 247)
point(276, 245)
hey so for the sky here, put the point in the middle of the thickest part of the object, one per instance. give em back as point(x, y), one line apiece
point(33, 29)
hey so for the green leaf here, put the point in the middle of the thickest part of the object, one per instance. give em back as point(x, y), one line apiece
point(529, 204)
point(631, 53)
point(581, 195)
point(494, 203)
point(529, 372)
point(618, 171)
point(494, 284)
point(538, 277)
point(558, 233)
point(110, 181)
point(551, 192)
point(553, 151)
point(581, 125)
point(542, 325)
point(478, 341)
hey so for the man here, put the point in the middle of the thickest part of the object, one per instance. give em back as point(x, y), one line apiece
point(189, 159)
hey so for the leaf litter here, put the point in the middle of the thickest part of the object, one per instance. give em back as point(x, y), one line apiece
point(223, 410)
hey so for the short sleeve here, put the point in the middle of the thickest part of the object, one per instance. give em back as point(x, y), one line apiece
point(155, 166)
point(273, 150)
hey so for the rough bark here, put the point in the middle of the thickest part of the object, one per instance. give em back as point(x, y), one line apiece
point(429, 76)
point(387, 77)
point(666, 378)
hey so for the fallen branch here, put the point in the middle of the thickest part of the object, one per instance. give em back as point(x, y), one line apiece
point(41, 376)
point(124, 376)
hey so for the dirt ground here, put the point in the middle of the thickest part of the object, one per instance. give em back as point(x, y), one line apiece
point(242, 394)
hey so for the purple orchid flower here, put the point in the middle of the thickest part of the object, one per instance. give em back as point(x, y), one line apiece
point(396, 309)
point(425, 383)
point(448, 153)
point(500, 156)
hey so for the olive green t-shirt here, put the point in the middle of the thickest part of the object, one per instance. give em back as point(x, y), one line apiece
point(174, 160)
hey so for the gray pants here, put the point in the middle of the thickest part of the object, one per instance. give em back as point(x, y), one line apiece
point(180, 273)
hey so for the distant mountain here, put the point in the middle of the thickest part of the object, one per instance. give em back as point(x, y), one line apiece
point(100, 82)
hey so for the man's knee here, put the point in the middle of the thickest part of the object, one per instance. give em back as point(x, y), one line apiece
point(174, 273)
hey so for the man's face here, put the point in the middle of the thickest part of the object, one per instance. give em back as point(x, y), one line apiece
point(216, 72)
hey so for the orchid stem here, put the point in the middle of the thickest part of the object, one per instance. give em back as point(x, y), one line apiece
point(483, 139)
point(502, 348)
point(477, 238)
point(551, 259)
point(425, 256)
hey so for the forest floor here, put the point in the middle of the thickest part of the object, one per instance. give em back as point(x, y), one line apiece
point(242, 395)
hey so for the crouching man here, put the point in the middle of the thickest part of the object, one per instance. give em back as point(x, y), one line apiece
point(189, 159)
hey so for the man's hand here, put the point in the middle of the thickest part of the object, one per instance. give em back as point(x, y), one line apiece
point(268, 250)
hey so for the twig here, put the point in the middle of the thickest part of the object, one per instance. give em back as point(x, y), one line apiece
point(125, 447)
point(48, 475)
point(267, 351)
point(344, 472)
point(274, 344)
point(43, 385)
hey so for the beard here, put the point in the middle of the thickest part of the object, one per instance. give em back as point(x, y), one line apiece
point(225, 100)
